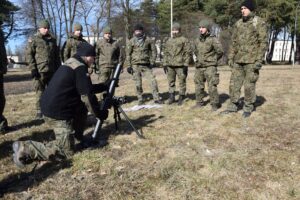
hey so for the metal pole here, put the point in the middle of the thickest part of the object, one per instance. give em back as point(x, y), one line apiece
point(171, 17)
point(295, 34)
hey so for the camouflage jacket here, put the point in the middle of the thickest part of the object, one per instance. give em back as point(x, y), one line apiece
point(249, 41)
point(207, 50)
point(3, 57)
point(108, 54)
point(177, 52)
point(143, 52)
point(70, 46)
point(43, 53)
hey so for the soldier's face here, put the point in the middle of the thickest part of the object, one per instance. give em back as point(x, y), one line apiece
point(203, 30)
point(107, 36)
point(77, 33)
point(245, 11)
point(175, 32)
point(44, 31)
point(138, 33)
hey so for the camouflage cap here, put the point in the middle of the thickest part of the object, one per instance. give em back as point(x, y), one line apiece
point(44, 24)
point(78, 27)
point(176, 26)
point(205, 24)
point(107, 29)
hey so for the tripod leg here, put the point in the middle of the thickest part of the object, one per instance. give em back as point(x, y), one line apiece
point(139, 134)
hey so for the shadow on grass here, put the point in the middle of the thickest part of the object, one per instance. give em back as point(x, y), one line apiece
point(260, 100)
point(17, 77)
point(35, 122)
point(124, 128)
point(24, 180)
point(6, 147)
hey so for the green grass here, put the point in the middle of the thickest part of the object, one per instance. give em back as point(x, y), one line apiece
point(188, 153)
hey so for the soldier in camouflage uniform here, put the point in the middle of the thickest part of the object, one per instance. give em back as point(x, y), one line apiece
point(177, 56)
point(64, 104)
point(108, 54)
point(208, 51)
point(3, 70)
point(249, 43)
point(43, 58)
point(71, 44)
point(140, 57)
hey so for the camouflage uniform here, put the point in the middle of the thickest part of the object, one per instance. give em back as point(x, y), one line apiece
point(177, 56)
point(141, 55)
point(43, 56)
point(208, 51)
point(108, 55)
point(71, 45)
point(3, 70)
point(249, 43)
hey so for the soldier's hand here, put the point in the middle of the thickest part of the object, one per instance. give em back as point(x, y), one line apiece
point(35, 74)
point(257, 65)
point(166, 69)
point(130, 70)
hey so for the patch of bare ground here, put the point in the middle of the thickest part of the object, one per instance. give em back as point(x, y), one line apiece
point(187, 154)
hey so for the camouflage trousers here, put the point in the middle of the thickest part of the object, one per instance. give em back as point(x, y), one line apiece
point(40, 86)
point(181, 72)
point(138, 72)
point(65, 133)
point(3, 121)
point(209, 74)
point(243, 74)
point(106, 74)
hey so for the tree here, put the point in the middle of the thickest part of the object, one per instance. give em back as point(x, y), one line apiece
point(7, 22)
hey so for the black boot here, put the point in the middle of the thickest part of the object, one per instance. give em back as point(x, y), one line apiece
point(171, 98)
point(21, 156)
point(180, 100)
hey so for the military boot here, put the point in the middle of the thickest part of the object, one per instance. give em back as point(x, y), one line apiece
point(171, 98)
point(180, 100)
point(21, 154)
point(199, 104)
point(215, 107)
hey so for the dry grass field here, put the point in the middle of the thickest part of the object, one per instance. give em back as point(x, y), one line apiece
point(187, 154)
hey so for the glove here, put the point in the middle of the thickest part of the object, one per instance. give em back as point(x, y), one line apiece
point(35, 74)
point(165, 69)
point(130, 70)
point(152, 65)
point(257, 65)
point(103, 114)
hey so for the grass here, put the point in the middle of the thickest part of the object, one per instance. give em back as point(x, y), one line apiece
point(188, 153)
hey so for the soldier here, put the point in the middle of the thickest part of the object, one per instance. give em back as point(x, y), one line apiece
point(43, 58)
point(3, 70)
point(140, 56)
point(71, 44)
point(177, 56)
point(208, 51)
point(108, 55)
point(64, 104)
point(249, 43)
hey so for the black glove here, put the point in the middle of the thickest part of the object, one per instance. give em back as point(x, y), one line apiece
point(257, 65)
point(103, 114)
point(130, 70)
point(165, 69)
point(35, 74)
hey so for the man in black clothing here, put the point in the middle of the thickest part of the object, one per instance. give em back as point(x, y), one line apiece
point(65, 103)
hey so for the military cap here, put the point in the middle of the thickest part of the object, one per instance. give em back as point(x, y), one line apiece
point(249, 4)
point(85, 49)
point(44, 24)
point(78, 27)
point(176, 26)
point(139, 27)
point(107, 29)
point(205, 24)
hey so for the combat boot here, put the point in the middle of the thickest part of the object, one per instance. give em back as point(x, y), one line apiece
point(199, 104)
point(215, 107)
point(21, 154)
point(171, 98)
point(246, 114)
point(158, 101)
point(180, 100)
